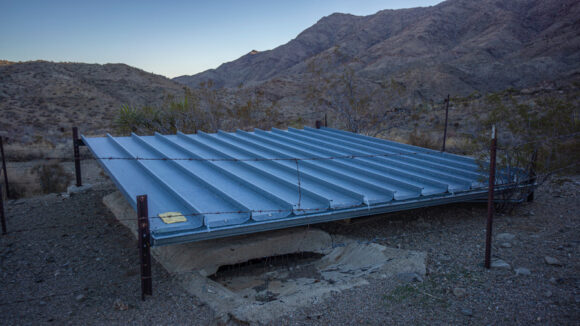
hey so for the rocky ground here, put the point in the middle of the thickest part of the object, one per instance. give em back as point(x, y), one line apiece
point(66, 260)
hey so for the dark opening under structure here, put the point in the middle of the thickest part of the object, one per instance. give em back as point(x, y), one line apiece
point(204, 186)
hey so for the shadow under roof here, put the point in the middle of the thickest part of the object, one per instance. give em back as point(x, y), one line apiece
point(228, 184)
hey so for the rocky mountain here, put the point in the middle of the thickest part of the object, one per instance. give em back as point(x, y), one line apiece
point(457, 47)
point(44, 99)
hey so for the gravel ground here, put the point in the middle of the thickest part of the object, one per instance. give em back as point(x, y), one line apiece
point(66, 260)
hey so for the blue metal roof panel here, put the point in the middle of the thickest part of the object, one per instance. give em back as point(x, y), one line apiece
point(234, 183)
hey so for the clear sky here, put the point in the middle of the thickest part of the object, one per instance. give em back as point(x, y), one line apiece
point(170, 38)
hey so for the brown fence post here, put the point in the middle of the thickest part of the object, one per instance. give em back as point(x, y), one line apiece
point(446, 118)
point(77, 155)
point(4, 168)
point(532, 175)
point(490, 205)
point(144, 246)
point(2, 214)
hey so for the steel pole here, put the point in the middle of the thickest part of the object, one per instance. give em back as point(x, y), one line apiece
point(77, 155)
point(490, 205)
point(2, 214)
point(144, 246)
point(532, 175)
point(4, 168)
point(446, 118)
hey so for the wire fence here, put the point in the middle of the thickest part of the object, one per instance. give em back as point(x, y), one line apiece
point(297, 209)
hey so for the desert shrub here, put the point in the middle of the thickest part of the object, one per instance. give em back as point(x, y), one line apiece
point(545, 128)
point(52, 177)
point(359, 104)
point(203, 109)
point(417, 138)
point(17, 190)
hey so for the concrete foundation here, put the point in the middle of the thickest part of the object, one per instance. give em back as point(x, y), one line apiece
point(262, 297)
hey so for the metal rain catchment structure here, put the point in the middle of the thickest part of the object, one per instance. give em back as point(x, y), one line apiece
point(203, 186)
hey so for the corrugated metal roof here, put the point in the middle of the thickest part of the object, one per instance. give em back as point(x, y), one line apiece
point(242, 182)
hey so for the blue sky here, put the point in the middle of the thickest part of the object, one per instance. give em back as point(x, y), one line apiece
point(169, 38)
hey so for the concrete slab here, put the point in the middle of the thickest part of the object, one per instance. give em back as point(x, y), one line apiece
point(207, 256)
point(264, 296)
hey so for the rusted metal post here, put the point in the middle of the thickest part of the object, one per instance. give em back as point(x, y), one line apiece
point(4, 168)
point(490, 205)
point(446, 118)
point(532, 174)
point(2, 214)
point(144, 246)
point(77, 156)
point(318, 124)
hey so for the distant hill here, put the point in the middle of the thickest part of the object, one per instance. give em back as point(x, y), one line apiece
point(457, 47)
point(44, 99)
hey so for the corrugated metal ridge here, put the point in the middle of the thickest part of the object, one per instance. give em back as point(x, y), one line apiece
point(342, 196)
point(416, 156)
point(371, 194)
point(426, 186)
point(231, 181)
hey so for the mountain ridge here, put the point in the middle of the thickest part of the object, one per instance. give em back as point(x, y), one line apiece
point(457, 46)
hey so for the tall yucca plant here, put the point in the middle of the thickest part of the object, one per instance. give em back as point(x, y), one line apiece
point(129, 119)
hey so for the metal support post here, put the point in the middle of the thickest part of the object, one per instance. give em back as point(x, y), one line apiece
point(490, 205)
point(446, 118)
point(532, 174)
point(2, 214)
point(4, 168)
point(325, 120)
point(144, 246)
point(77, 156)
point(318, 124)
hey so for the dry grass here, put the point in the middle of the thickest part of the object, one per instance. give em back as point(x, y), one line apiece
point(421, 139)
point(37, 177)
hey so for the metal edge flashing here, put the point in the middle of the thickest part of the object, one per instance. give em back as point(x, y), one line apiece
point(328, 216)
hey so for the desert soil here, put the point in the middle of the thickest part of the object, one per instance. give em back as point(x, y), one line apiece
point(67, 260)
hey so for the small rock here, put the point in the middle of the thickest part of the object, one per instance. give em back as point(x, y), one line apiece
point(500, 264)
point(445, 258)
point(552, 261)
point(505, 237)
point(266, 296)
point(72, 190)
point(548, 294)
point(120, 305)
point(553, 280)
point(409, 277)
point(522, 271)
point(42, 303)
point(467, 312)
point(506, 245)
point(80, 298)
point(459, 292)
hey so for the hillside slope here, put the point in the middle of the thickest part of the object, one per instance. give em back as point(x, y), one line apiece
point(44, 99)
point(458, 47)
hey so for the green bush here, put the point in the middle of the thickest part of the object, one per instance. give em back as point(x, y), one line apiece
point(52, 177)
